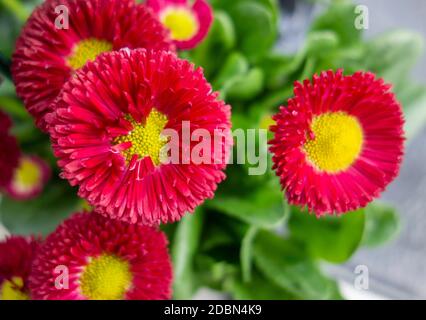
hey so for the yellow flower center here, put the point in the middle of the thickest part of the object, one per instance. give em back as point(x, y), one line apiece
point(181, 22)
point(146, 138)
point(87, 50)
point(12, 290)
point(337, 141)
point(106, 277)
point(27, 175)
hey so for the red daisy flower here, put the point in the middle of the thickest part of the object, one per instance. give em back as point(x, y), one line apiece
point(188, 21)
point(16, 257)
point(62, 35)
point(29, 178)
point(10, 152)
point(90, 257)
point(339, 142)
point(107, 134)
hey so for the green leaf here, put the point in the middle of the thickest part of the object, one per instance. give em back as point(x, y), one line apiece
point(278, 68)
point(264, 207)
point(321, 43)
point(285, 264)
point(14, 107)
point(255, 28)
point(413, 100)
point(184, 248)
point(271, 5)
point(393, 54)
point(42, 214)
point(223, 29)
point(331, 238)
point(216, 234)
point(339, 18)
point(247, 86)
point(259, 288)
point(235, 66)
point(246, 254)
point(381, 224)
point(214, 49)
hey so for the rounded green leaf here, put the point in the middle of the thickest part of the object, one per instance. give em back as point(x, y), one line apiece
point(331, 238)
point(381, 224)
point(286, 265)
point(246, 87)
point(255, 28)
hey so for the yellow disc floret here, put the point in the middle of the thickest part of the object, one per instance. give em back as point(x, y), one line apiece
point(146, 138)
point(106, 277)
point(12, 290)
point(336, 143)
point(181, 22)
point(28, 175)
point(87, 50)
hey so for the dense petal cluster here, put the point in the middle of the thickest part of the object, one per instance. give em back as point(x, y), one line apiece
point(9, 151)
point(29, 178)
point(62, 35)
point(16, 256)
point(106, 134)
point(100, 258)
point(188, 21)
point(339, 142)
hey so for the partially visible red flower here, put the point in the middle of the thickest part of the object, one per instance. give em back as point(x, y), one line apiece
point(16, 256)
point(102, 259)
point(29, 178)
point(62, 35)
point(5, 122)
point(339, 142)
point(107, 134)
point(9, 151)
point(188, 22)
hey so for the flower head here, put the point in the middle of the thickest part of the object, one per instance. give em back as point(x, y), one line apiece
point(9, 151)
point(188, 23)
point(16, 256)
point(29, 178)
point(102, 259)
point(107, 127)
point(339, 142)
point(62, 35)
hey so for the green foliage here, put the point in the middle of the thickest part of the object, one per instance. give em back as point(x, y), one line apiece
point(333, 239)
point(247, 241)
point(285, 264)
point(381, 224)
point(184, 247)
point(42, 214)
point(264, 207)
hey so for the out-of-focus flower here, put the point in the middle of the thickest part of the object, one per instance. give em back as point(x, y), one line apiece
point(9, 151)
point(339, 142)
point(102, 259)
point(188, 22)
point(62, 35)
point(112, 150)
point(29, 178)
point(16, 256)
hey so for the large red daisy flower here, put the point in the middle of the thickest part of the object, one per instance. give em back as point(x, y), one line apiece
point(107, 134)
point(90, 257)
point(339, 142)
point(188, 21)
point(16, 257)
point(62, 35)
point(9, 151)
